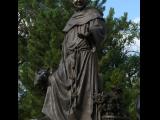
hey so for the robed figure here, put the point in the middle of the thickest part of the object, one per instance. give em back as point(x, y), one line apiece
point(72, 86)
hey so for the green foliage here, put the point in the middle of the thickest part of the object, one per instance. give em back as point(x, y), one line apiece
point(40, 36)
point(39, 39)
point(28, 104)
point(120, 69)
point(98, 4)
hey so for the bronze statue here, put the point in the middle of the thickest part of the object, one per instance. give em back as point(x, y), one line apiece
point(71, 87)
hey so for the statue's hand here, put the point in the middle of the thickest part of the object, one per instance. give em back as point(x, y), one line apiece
point(41, 79)
point(80, 35)
point(83, 36)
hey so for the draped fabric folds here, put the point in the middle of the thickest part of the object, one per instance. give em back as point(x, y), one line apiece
point(70, 93)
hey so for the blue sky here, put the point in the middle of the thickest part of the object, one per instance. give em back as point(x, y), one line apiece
point(121, 6)
point(133, 9)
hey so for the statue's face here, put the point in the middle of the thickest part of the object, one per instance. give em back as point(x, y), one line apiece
point(79, 3)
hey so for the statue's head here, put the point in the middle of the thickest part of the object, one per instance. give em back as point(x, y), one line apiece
point(79, 4)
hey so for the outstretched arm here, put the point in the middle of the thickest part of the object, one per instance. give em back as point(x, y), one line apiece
point(97, 30)
point(96, 33)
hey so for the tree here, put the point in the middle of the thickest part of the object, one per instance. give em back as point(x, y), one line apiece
point(38, 47)
point(120, 69)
